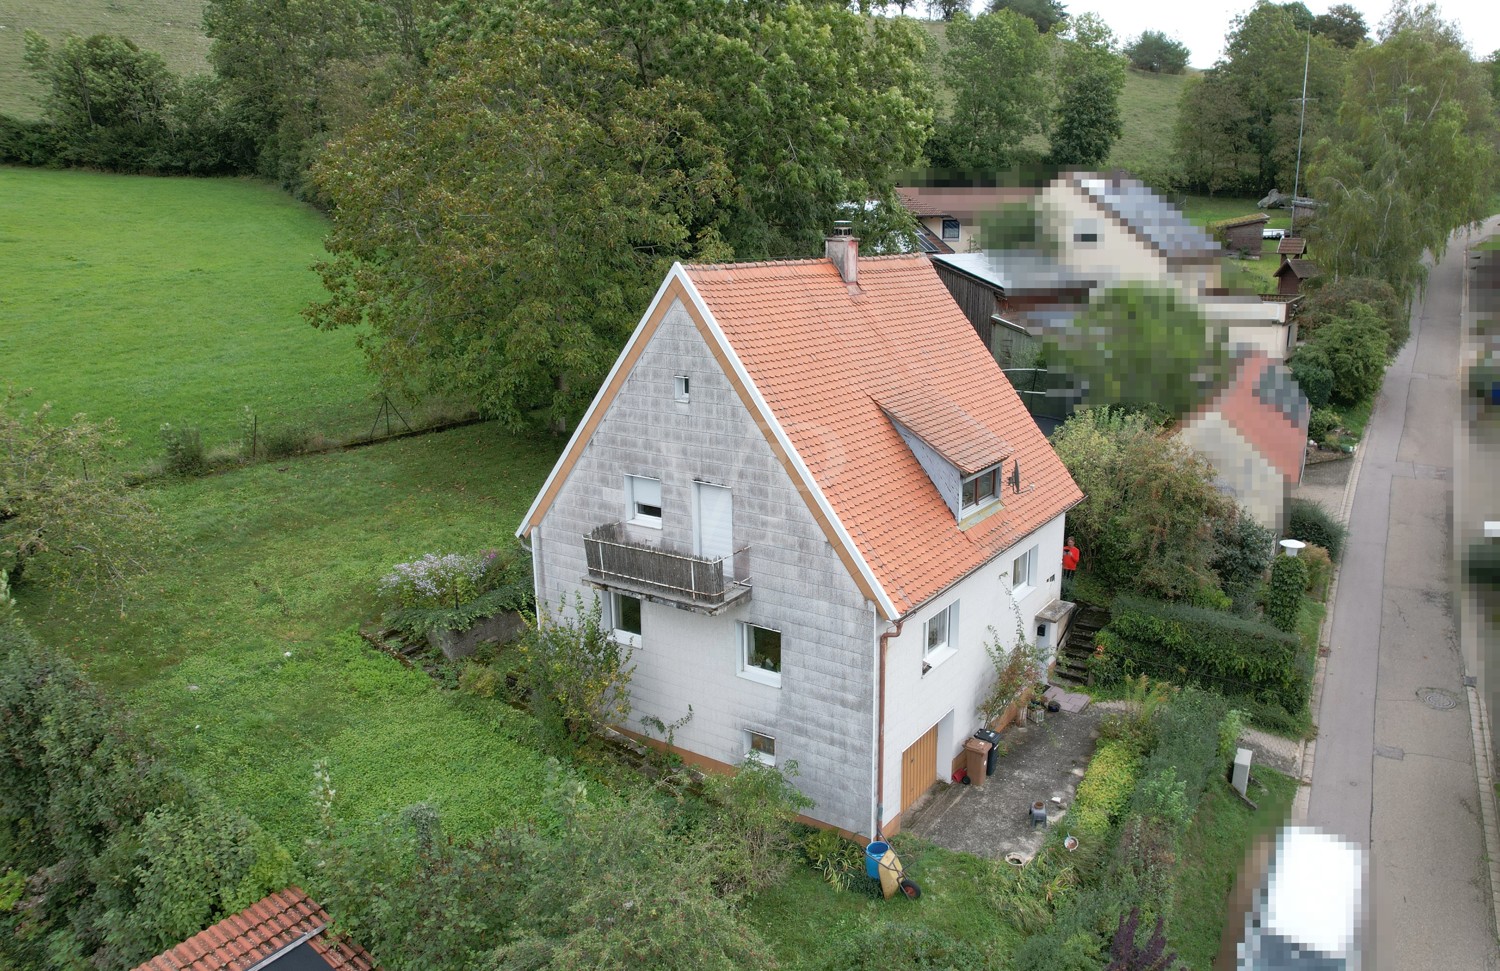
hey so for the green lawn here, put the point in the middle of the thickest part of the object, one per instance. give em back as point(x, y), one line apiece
point(171, 28)
point(171, 300)
point(1211, 858)
point(277, 558)
point(812, 926)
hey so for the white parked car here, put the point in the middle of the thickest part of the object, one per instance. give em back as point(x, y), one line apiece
point(1272, 233)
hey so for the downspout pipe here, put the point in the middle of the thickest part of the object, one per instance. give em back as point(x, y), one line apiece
point(880, 734)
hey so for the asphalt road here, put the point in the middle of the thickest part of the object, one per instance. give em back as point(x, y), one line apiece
point(1394, 767)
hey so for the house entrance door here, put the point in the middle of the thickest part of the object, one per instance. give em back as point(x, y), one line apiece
point(919, 768)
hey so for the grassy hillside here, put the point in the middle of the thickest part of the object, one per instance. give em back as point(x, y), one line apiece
point(172, 28)
point(1148, 107)
point(170, 300)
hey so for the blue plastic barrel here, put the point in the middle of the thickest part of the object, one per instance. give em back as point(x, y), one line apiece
point(874, 853)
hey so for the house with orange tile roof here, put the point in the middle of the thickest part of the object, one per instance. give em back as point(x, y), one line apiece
point(286, 931)
point(806, 497)
point(948, 217)
point(1254, 432)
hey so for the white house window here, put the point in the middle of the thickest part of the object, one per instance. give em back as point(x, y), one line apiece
point(760, 654)
point(981, 489)
point(940, 637)
point(761, 748)
point(1023, 573)
point(680, 387)
point(950, 229)
point(625, 614)
point(1086, 233)
point(643, 500)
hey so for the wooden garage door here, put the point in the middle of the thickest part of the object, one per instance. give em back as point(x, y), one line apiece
point(918, 768)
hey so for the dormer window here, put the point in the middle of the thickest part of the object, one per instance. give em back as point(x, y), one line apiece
point(981, 489)
point(950, 229)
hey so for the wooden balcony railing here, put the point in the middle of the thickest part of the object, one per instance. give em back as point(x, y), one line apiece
point(617, 561)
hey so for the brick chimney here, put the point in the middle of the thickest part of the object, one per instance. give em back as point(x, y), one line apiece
point(843, 249)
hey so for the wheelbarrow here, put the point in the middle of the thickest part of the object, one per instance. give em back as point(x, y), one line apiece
point(882, 863)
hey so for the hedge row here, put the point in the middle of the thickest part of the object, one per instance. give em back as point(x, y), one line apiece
point(1234, 656)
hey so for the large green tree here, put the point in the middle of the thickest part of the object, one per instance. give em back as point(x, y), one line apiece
point(994, 110)
point(1150, 511)
point(290, 66)
point(1142, 348)
point(1090, 78)
point(500, 228)
point(1238, 129)
point(1046, 14)
point(1343, 24)
point(109, 101)
point(501, 224)
point(1154, 51)
point(1413, 155)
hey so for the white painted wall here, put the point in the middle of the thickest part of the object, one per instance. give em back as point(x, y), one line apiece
point(915, 702)
point(1117, 256)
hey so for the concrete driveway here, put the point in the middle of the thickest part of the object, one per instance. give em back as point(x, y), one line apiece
point(1043, 762)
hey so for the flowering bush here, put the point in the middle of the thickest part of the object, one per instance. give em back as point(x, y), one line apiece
point(453, 590)
point(437, 580)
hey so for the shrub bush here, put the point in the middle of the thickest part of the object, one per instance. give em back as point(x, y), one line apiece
point(1357, 348)
point(1313, 373)
point(577, 676)
point(1284, 595)
point(1322, 423)
point(286, 441)
point(1233, 655)
point(453, 591)
point(837, 860)
point(183, 448)
point(1319, 571)
point(753, 824)
point(1311, 523)
point(1329, 299)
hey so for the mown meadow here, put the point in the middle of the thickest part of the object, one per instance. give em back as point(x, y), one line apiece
point(171, 300)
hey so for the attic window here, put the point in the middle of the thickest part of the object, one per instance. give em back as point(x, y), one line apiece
point(982, 489)
point(1086, 232)
point(950, 229)
point(680, 387)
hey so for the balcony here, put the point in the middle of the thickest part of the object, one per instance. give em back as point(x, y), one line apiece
point(619, 563)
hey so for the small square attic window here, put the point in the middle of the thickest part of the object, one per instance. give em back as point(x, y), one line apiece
point(950, 228)
point(680, 387)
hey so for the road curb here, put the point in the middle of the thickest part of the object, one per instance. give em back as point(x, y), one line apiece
point(1307, 755)
point(1479, 724)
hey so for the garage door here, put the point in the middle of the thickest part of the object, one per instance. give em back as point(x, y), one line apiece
point(919, 768)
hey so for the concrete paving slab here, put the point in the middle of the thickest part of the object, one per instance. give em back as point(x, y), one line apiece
point(1043, 762)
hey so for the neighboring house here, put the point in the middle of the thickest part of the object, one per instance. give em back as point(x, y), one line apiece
point(1245, 234)
point(1255, 434)
point(1110, 230)
point(807, 496)
point(949, 217)
point(999, 290)
point(286, 931)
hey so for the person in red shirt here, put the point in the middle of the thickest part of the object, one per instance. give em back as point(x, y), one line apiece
point(1070, 558)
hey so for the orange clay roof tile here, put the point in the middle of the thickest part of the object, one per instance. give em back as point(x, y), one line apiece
point(827, 357)
point(240, 941)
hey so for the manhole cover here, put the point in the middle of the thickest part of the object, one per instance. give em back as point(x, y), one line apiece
point(1438, 699)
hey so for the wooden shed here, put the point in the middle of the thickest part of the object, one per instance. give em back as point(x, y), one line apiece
point(1243, 234)
point(1291, 274)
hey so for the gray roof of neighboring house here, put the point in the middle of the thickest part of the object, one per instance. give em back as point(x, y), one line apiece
point(1017, 271)
point(1148, 216)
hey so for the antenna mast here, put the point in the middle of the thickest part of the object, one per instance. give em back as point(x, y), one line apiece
point(1301, 122)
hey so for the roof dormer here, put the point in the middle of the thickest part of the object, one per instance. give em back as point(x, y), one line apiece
point(961, 456)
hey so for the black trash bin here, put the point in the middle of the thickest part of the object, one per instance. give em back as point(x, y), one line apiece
point(994, 739)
